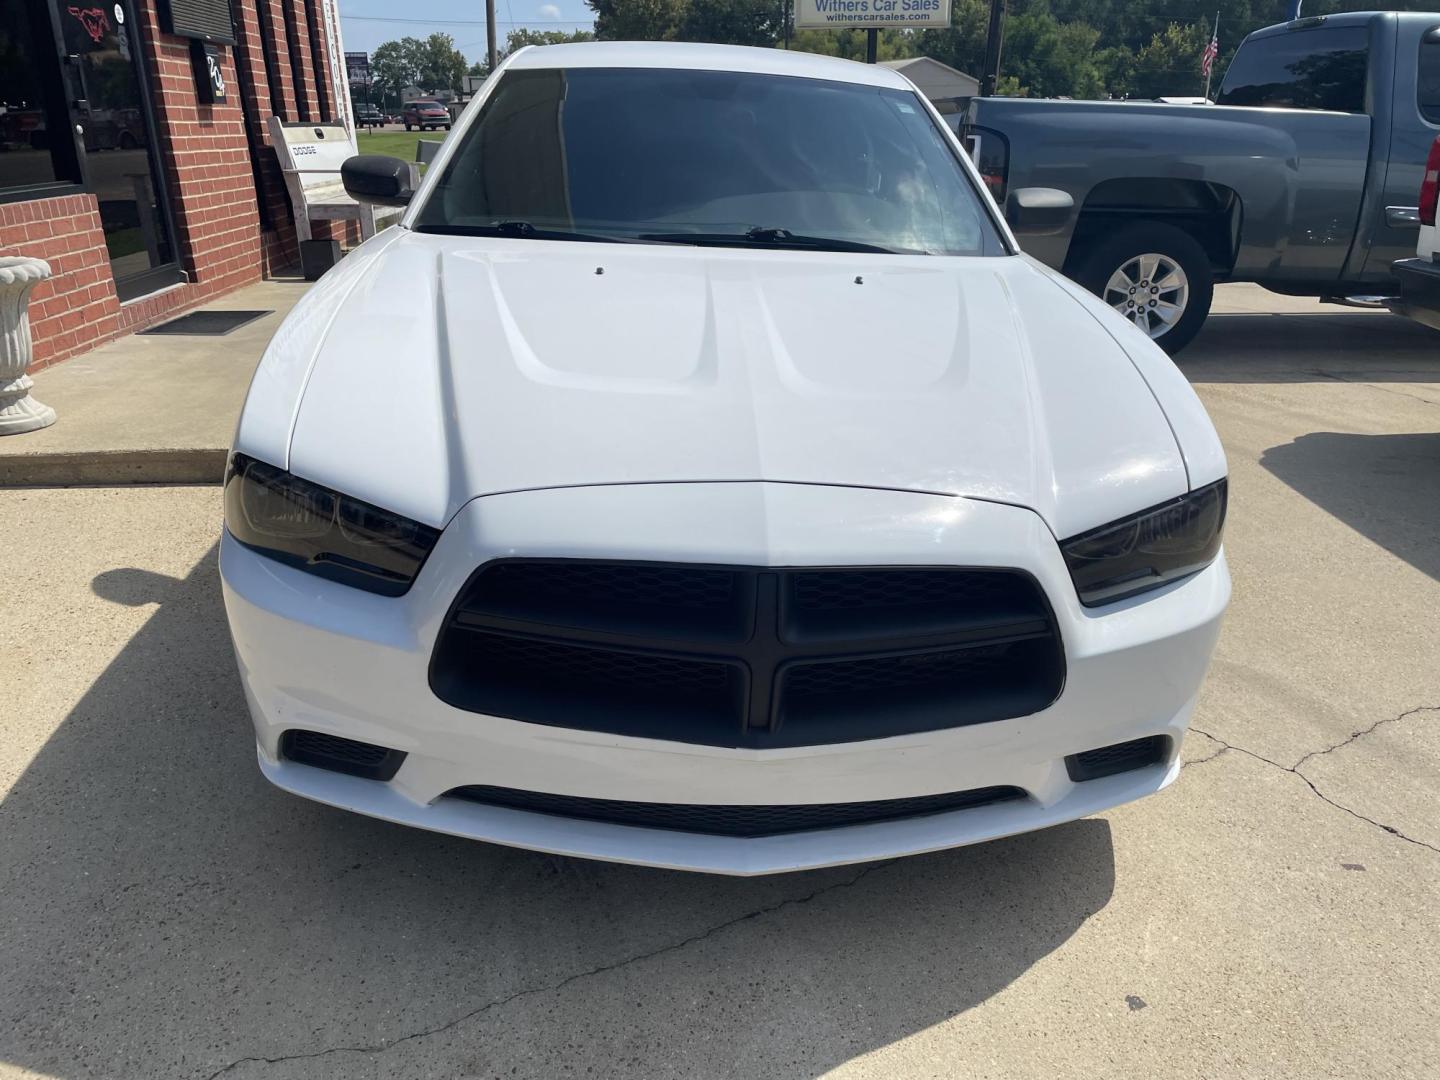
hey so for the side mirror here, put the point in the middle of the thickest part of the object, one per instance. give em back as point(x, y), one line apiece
point(379, 179)
point(1038, 210)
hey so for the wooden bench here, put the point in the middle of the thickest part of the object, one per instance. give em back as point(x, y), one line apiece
point(310, 159)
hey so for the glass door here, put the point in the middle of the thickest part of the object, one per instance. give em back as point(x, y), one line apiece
point(110, 109)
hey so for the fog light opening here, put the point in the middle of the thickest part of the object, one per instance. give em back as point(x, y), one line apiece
point(336, 754)
point(1118, 758)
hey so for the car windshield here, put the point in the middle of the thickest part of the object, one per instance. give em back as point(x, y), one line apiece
point(708, 157)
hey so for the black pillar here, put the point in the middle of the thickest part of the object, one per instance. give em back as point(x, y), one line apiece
point(991, 75)
point(872, 44)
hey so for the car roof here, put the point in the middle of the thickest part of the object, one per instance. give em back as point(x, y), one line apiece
point(1340, 19)
point(676, 54)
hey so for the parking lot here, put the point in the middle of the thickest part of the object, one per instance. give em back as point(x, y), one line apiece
point(166, 913)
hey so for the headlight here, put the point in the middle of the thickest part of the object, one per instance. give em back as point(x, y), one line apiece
point(321, 531)
point(1143, 552)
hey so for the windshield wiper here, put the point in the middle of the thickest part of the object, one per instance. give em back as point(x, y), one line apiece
point(521, 230)
point(756, 237)
point(765, 237)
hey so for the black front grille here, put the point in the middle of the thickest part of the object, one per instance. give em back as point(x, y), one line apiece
point(745, 821)
point(585, 686)
point(742, 656)
point(598, 668)
point(340, 755)
point(909, 670)
point(648, 599)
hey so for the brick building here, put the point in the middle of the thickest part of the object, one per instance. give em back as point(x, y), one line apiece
point(134, 156)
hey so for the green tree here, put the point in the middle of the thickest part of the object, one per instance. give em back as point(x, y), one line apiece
point(1050, 58)
point(850, 44)
point(962, 43)
point(1170, 63)
point(1071, 48)
point(522, 36)
point(441, 65)
point(727, 22)
point(637, 20)
point(394, 66)
point(731, 22)
point(1009, 86)
point(1116, 66)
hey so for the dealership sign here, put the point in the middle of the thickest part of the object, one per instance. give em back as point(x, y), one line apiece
point(840, 14)
point(357, 68)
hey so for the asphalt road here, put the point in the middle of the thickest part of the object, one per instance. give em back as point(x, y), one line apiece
point(165, 913)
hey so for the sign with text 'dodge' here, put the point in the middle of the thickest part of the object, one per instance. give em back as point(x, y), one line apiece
point(840, 14)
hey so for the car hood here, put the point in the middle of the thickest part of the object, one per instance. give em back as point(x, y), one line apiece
point(457, 367)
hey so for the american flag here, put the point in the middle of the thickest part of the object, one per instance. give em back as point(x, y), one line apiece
point(1207, 58)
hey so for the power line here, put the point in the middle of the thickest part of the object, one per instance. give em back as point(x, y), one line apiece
point(464, 22)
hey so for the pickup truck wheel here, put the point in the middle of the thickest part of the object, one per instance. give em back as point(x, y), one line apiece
point(1156, 276)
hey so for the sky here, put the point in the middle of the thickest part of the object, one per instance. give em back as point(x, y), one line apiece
point(367, 23)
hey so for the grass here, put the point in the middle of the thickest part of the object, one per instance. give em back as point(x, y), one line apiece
point(399, 143)
point(120, 242)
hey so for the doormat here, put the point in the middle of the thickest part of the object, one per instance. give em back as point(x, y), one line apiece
point(207, 323)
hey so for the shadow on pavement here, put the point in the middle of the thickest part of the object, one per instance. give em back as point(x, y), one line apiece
point(1385, 487)
point(1263, 348)
point(167, 913)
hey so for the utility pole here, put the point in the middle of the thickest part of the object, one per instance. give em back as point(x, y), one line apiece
point(991, 75)
point(491, 58)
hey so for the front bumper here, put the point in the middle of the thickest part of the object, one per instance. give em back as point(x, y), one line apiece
point(323, 657)
point(1419, 291)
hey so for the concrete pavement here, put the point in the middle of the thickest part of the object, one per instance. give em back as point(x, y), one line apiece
point(148, 408)
point(165, 913)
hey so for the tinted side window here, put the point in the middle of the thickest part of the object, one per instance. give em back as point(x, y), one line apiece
point(1428, 89)
point(1322, 68)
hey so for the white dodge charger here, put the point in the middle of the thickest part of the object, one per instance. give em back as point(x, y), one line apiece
point(700, 476)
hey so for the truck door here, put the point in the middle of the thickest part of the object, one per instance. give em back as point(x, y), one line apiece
point(1412, 118)
point(1302, 75)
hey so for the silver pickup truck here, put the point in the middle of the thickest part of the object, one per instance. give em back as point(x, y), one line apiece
point(1303, 176)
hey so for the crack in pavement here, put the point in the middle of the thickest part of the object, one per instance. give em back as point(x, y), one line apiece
point(1207, 757)
point(1366, 731)
point(380, 1048)
point(1373, 386)
point(1295, 770)
point(1223, 748)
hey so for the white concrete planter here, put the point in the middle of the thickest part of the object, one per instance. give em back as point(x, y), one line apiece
point(18, 410)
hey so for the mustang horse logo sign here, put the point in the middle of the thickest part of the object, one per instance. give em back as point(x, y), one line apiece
point(95, 21)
